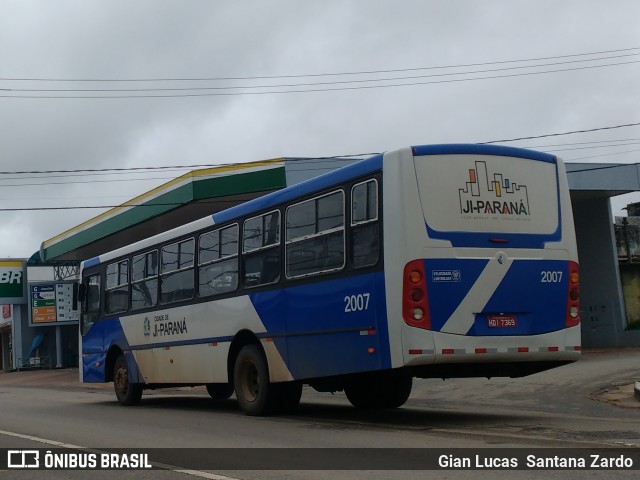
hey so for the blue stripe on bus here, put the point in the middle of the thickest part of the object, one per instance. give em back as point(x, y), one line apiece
point(518, 295)
point(312, 185)
point(477, 149)
point(325, 331)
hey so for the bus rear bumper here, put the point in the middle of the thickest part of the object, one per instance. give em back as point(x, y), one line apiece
point(562, 346)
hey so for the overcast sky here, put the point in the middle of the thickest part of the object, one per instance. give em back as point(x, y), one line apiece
point(149, 41)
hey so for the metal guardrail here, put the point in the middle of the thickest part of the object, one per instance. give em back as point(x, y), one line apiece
point(32, 363)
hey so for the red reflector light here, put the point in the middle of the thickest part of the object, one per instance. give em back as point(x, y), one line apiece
point(415, 302)
point(415, 352)
point(577, 348)
point(573, 296)
point(553, 349)
point(481, 350)
point(415, 277)
point(523, 349)
point(448, 351)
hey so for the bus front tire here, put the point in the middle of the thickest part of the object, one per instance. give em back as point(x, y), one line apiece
point(128, 394)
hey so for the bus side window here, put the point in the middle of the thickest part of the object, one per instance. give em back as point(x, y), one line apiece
point(261, 250)
point(116, 295)
point(144, 280)
point(365, 229)
point(91, 302)
point(315, 236)
point(218, 261)
point(177, 281)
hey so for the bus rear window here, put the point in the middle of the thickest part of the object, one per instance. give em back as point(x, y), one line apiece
point(488, 194)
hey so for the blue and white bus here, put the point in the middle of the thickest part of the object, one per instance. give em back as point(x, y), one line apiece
point(436, 261)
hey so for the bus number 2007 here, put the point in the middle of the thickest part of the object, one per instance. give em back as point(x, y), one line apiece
point(551, 277)
point(356, 303)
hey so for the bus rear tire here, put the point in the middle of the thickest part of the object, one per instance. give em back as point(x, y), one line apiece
point(399, 390)
point(128, 394)
point(287, 396)
point(381, 390)
point(254, 391)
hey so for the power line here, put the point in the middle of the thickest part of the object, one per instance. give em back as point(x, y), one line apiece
point(603, 155)
point(88, 207)
point(302, 159)
point(223, 200)
point(183, 167)
point(583, 143)
point(591, 147)
point(80, 182)
point(307, 162)
point(561, 134)
point(602, 167)
point(273, 77)
point(336, 82)
point(310, 90)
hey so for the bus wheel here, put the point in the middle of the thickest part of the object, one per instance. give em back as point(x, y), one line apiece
point(399, 390)
point(251, 379)
point(220, 391)
point(382, 390)
point(364, 395)
point(127, 393)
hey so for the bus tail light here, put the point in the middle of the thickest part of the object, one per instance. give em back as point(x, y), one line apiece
point(415, 303)
point(573, 298)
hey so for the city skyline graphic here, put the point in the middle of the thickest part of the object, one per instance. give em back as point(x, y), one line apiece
point(486, 193)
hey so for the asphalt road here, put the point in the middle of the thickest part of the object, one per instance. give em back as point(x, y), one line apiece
point(588, 404)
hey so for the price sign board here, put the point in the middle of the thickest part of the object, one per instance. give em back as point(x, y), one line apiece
point(64, 303)
point(52, 303)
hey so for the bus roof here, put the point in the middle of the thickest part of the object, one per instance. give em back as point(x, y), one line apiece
point(340, 175)
point(482, 149)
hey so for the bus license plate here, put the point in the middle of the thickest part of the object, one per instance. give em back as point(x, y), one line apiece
point(502, 321)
